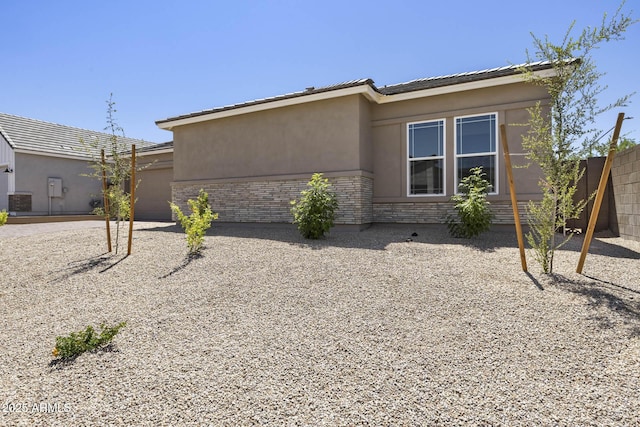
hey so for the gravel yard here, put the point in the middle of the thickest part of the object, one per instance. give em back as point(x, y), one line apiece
point(357, 329)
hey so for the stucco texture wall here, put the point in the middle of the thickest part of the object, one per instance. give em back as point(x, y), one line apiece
point(153, 193)
point(389, 139)
point(321, 136)
point(31, 177)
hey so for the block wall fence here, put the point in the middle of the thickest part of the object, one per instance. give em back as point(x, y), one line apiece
point(625, 177)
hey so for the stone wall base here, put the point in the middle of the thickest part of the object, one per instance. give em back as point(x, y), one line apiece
point(268, 201)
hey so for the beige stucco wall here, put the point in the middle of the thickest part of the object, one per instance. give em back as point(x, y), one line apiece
point(389, 139)
point(322, 136)
point(249, 159)
point(153, 193)
point(31, 177)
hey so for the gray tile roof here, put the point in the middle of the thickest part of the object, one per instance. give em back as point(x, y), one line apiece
point(307, 91)
point(54, 139)
point(150, 149)
point(414, 85)
point(454, 79)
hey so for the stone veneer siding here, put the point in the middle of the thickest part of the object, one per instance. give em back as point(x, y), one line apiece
point(437, 212)
point(625, 175)
point(268, 201)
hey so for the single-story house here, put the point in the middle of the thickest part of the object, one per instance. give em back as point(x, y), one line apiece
point(394, 154)
point(42, 166)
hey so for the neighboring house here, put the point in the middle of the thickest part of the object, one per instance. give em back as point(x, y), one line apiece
point(42, 166)
point(394, 154)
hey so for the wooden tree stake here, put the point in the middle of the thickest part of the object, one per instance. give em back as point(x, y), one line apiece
point(514, 200)
point(600, 194)
point(132, 184)
point(105, 200)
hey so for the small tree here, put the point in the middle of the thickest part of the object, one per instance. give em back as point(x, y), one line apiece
point(472, 207)
point(553, 140)
point(196, 224)
point(315, 212)
point(117, 169)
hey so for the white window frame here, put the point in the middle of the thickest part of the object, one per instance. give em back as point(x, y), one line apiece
point(443, 157)
point(495, 190)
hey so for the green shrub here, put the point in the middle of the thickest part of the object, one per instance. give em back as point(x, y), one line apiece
point(87, 340)
point(315, 212)
point(196, 224)
point(472, 207)
point(3, 217)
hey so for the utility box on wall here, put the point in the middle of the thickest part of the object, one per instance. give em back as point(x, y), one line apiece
point(55, 187)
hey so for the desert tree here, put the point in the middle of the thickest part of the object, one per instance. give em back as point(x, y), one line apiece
point(117, 169)
point(560, 134)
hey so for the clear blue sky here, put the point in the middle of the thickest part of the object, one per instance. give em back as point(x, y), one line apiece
point(61, 59)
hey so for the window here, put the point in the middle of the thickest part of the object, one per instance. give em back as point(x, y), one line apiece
point(476, 146)
point(426, 157)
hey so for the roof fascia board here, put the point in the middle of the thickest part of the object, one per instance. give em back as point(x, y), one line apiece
point(6, 138)
point(46, 154)
point(461, 87)
point(149, 153)
point(364, 89)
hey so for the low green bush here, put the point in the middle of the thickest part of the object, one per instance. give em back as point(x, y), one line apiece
point(196, 224)
point(3, 217)
point(472, 207)
point(315, 212)
point(87, 340)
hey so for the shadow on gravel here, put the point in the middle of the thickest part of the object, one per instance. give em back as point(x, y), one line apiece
point(188, 259)
point(616, 298)
point(376, 237)
point(59, 364)
point(534, 281)
point(102, 262)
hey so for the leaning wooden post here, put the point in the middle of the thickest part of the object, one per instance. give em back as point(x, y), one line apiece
point(132, 184)
point(514, 200)
point(105, 200)
point(600, 194)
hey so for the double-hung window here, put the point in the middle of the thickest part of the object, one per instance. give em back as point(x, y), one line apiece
point(426, 158)
point(476, 143)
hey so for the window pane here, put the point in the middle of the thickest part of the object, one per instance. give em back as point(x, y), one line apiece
point(488, 164)
point(426, 177)
point(426, 139)
point(476, 134)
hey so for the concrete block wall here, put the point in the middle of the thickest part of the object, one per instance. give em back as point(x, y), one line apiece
point(268, 201)
point(625, 175)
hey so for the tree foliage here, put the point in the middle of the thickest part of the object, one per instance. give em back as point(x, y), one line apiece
point(556, 140)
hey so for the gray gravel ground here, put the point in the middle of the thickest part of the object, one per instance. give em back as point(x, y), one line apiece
point(357, 329)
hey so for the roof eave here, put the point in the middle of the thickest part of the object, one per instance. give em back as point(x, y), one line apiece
point(462, 87)
point(367, 90)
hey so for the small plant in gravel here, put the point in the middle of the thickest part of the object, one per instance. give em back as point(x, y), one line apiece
point(87, 340)
point(196, 224)
point(474, 215)
point(315, 212)
point(3, 217)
